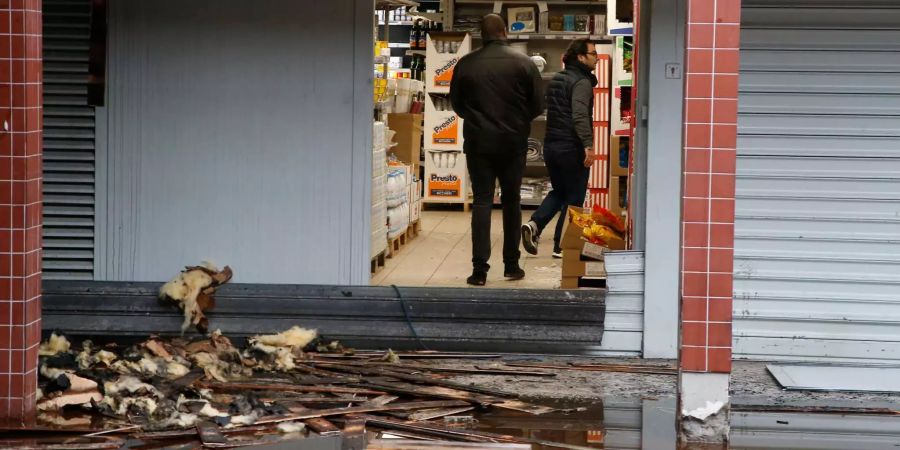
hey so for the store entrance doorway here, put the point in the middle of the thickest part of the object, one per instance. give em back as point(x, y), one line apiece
point(421, 195)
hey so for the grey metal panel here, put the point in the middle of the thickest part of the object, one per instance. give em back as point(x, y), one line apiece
point(817, 226)
point(68, 156)
point(662, 218)
point(234, 134)
point(529, 321)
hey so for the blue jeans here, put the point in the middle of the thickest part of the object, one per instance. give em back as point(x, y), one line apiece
point(569, 179)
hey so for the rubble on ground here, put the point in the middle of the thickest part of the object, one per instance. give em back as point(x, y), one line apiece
point(293, 383)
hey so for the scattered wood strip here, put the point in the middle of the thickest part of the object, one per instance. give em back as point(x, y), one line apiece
point(242, 386)
point(188, 432)
point(316, 400)
point(653, 371)
point(382, 400)
point(385, 372)
point(428, 414)
point(436, 355)
point(77, 443)
point(456, 394)
point(464, 435)
point(322, 426)
point(312, 414)
point(403, 444)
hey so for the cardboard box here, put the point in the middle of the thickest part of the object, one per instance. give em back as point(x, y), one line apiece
point(441, 59)
point(615, 195)
point(408, 129)
point(443, 128)
point(573, 266)
point(617, 166)
point(568, 283)
point(446, 177)
point(613, 26)
point(572, 236)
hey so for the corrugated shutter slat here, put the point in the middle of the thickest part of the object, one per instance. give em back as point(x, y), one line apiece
point(68, 143)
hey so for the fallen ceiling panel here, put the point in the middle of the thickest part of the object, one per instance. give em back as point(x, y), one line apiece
point(804, 377)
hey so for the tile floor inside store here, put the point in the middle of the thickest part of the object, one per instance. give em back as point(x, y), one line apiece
point(441, 255)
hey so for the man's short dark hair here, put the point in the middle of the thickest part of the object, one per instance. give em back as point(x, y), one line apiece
point(493, 27)
point(577, 47)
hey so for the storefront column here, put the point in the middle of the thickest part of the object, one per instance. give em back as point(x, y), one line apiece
point(20, 207)
point(707, 245)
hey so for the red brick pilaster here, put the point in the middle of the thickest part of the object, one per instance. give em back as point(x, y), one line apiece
point(20, 205)
point(710, 141)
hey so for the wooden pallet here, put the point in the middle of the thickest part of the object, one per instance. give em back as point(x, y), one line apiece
point(414, 229)
point(395, 244)
point(378, 262)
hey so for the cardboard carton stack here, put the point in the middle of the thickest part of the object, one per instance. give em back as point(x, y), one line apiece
point(379, 194)
point(446, 177)
point(583, 250)
point(398, 187)
point(408, 136)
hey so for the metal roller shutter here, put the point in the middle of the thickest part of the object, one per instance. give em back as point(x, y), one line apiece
point(817, 228)
point(68, 142)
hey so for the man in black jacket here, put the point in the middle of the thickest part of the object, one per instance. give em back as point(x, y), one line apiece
point(568, 145)
point(497, 91)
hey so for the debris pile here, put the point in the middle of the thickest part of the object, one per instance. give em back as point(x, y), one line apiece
point(294, 382)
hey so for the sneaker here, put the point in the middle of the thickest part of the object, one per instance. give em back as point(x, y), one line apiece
point(557, 254)
point(478, 278)
point(514, 273)
point(530, 237)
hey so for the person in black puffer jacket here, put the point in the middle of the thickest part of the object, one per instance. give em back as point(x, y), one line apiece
point(498, 92)
point(568, 145)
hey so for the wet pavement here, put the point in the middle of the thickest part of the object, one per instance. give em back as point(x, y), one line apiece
point(609, 424)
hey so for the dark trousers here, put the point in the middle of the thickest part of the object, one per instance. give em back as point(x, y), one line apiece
point(569, 179)
point(484, 171)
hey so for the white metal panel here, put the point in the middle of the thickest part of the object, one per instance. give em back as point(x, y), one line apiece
point(624, 326)
point(817, 227)
point(236, 133)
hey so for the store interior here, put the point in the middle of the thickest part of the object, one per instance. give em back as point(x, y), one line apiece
point(421, 197)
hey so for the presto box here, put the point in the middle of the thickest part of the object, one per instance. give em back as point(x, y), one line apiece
point(443, 51)
point(443, 128)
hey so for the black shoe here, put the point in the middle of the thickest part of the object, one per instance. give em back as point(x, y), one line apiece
point(529, 237)
point(477, 279)
point(514, 273)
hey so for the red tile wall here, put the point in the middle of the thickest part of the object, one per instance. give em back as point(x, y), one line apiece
point(20, 206)
point(710, 142)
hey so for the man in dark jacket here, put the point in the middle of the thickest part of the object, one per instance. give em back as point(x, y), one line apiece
point(568, 145)
point(497, 91)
